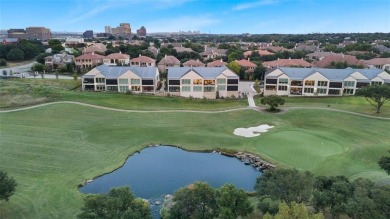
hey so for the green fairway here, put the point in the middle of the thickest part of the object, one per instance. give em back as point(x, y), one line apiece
point(50, 150)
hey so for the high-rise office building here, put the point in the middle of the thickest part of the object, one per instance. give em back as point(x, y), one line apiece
point(126, 29)
point(107, 29)
point(141, 32)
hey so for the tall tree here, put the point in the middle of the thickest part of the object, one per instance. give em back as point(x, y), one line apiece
point(232, 202)
point(376, 95)
point(194, 201)
point(273, 101)
point(15, 54)
point(118, 203)
point(7, 186)
point(234, 66)
point(384, 163)
point(294, 211)
point(286, 185)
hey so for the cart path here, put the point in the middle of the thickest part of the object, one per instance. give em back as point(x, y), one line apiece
point(260, 109)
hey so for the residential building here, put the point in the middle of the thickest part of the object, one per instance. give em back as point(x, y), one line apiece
point(193, 63)
point(88, 34)
point(154, 50)
point(73, 42)
point(320, 81)
point(141, 32)
point(216, 63)
point(307, 48)
point(202, 82)
point(168, 61)
point(382, 63)
point(89, 60)
point(337, 58)
point(246, 64)
point(59, 60)
point(212, 53)
point(143, 61)
point(380, 48)
point(121, 79)
point(182, 49)
point(9, 40)
point(318, 55)
point(287, 63)
point(116, 59)
point(261, 52)
point(95, 48)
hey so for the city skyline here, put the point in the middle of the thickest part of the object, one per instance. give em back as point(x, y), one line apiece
point(206, 16)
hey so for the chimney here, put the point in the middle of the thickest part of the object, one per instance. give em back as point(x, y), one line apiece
point(93, 53)
point(249, 59)
point(289, 58)
point(140, 55)
point(165, 56)
point(205, 48)
point(197, 60)
point(120, 52)
point(278, 58)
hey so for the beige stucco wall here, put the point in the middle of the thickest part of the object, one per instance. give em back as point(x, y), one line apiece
point(358, 75)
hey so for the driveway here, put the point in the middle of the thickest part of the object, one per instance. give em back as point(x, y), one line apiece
point(19, 69)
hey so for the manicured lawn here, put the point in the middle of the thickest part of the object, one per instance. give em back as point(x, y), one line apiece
point(51, 150)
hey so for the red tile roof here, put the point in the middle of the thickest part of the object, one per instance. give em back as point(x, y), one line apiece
point(90, 56)
point(327, 61)
point(117, 56)
point(287, 62)
point(245, 63)
point(377, 61)
point(143, 59)
point(193, 63)
point(262, 52)
point(171, 60)
point(216, 63)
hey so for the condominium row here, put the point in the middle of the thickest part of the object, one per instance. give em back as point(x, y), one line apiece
point(198, 82)
point(321, 81)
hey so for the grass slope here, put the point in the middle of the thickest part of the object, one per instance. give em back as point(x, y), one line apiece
point(51, 150)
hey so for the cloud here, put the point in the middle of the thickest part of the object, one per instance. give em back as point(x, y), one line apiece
point(255, 4)
point(183, 23)
point(91, 13)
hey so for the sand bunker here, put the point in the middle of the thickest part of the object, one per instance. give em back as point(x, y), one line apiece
point(251, 131)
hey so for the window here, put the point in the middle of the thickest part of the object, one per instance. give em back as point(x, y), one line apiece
point(322, 83)
point(282, 88)
point(221, 81)
point(88, 81)
point(209, 89)
point(185, 81)
point(296, 83)
point(376, 83)
point(232, 88)
point(209, 82)
point(336, 84)
point(174, 82)
point(197, 88)
point(174, 89)
point(197, 81)
point(135, 88)
point(111, 81)
point(123, 89)
point(271, 81)
point(123, 81)
point(296, 91)
point(100, 80)
point(186, 88)
point(321, 90)
point(221, 87)
point(309, 83)
point(334, 92)
point(147, 88)
point(283, 80)
point(309, 90)
point(100, 87)
point(349, 84)
point(232, 81)
point(135, 81)
point(112, 88)
point(147, 82)
point(361, 84)
point(348, 91)
point(269, 87)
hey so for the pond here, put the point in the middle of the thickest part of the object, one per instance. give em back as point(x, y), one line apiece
point(157, 171)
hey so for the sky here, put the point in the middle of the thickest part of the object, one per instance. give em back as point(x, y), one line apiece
point(206, 16)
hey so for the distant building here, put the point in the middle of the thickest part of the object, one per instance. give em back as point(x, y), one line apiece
point(36, 33)
point(216, 63)
point(103, 35)
point(89, 60)
point(193, 63)
point(107, 29)
point(39, 33)
point(126, 29)
point(9, 40)
point(246, 64)
point(59, 60)
point(141, 32)
point(97, 47)
point(116, 59)
point(287, 63)
point(143, 61)
point(88, 34)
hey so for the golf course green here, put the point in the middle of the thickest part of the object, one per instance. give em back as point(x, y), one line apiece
point(51, 150)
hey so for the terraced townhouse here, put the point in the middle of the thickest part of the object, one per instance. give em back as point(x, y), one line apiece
point(286, 81)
